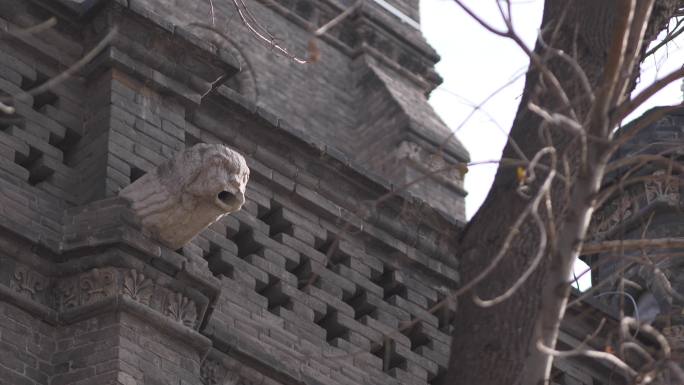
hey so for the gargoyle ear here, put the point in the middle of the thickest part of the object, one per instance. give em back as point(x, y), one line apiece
point(174, 218)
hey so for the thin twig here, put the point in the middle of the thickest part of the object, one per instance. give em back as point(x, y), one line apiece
point(588, 353)
point(33, 30)
point(337, 19)
point(630, 105)
point(252, 24)
point(87, 58)
point(628, 322)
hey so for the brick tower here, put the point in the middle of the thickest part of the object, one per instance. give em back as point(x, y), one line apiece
point(309, 282)
point(330, 272)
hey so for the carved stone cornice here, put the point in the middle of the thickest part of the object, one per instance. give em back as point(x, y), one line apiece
point(99, 284)
point(105, 264)
point(642, 186)
point(629, 206)
point(67, 299)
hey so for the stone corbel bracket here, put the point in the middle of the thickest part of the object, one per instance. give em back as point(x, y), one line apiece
point(188, 193)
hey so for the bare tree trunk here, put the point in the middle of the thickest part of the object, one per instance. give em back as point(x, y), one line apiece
point(498, 344)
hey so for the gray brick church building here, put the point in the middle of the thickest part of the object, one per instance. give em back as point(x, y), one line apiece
point(330, 272)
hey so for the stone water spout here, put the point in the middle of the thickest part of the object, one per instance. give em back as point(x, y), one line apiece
point(188, 193)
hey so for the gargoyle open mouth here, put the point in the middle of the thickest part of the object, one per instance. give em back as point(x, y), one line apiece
point(226, 197)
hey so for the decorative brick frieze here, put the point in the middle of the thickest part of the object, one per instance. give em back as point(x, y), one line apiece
point(100, 285)
point(137, 286)
point(28, 282)
point(622, 212)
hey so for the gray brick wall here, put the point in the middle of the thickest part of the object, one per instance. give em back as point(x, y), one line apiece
point(87, 352)
point(27, 346)
point(282, 282)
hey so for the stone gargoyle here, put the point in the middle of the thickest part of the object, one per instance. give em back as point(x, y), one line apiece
point(188, 193)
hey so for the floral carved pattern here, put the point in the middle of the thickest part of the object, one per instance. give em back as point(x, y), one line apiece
point(137, 286)
point(26, 282)
point(66, 295)
point(662, 188)
point(619, 210)
point(96, 285)
point(181, 308)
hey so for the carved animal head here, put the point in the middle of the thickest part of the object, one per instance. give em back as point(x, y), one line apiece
point(209, 173)
point(189, 192)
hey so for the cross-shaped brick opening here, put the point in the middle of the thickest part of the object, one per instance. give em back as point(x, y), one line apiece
point(390, 281)
point(66, 143)
point(41, 99)
point(361, 304)
point(276, 221)
point(221, 261)
point(416, 334)
point(276, 296)
point(331, 248)
point(37, 166)
point(306, 276)
point(334, 329)
point(283, 297)
point(386, 351)
point(281, 220)
point(446, 312)
point(69, 131)
point(245, 241)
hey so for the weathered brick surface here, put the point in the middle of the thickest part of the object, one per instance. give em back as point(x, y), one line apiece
point(26, 348)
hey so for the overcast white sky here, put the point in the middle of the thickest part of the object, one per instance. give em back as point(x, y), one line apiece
point(476, 63)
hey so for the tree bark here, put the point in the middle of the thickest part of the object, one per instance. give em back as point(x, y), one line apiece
point(497, 345)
